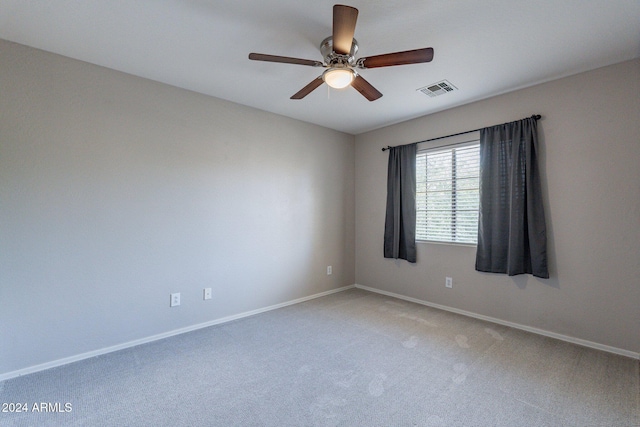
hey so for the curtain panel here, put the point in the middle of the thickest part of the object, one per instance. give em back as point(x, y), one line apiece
point(400, 220)
point(512, 236)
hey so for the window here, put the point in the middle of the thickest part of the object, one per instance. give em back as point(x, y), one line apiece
point(447, 198)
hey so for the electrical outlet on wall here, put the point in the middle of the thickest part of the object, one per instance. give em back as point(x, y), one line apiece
point(175, 300)
point(207, 293)
point(448, 282)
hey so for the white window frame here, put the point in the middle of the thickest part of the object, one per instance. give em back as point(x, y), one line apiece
point(422, 232)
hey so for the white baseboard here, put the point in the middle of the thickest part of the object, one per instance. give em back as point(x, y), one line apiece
point(549, 334)
point(89, 354)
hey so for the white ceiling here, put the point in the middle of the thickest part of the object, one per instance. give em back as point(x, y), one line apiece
point(482, 47)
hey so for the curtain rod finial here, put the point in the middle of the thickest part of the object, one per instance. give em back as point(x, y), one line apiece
point(536, 117)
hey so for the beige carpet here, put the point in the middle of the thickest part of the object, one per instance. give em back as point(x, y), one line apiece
point(353, 358)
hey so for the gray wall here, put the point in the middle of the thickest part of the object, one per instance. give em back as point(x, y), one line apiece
point(116, 191)
point(590, 152)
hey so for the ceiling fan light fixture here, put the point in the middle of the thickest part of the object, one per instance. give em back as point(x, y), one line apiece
point(339, 50)
point(338, 78)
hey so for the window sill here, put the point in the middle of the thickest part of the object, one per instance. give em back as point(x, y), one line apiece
point(434, 242)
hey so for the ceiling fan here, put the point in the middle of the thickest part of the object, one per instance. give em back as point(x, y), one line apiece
point(339, 50)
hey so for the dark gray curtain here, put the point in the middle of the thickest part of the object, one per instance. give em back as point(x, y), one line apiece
point(400, 221)
point(512, 236)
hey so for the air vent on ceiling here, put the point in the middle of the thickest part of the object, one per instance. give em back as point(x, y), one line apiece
point(437, 89)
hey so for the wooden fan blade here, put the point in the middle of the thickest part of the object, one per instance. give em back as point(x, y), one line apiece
point(308, 88)
point(284, 59)
point(398, 58)
point(344, 26)
point(365, 88)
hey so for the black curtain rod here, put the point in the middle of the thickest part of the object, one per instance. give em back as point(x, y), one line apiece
point(534, 117)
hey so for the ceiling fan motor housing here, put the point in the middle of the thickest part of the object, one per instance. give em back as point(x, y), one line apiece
point(335, 59)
